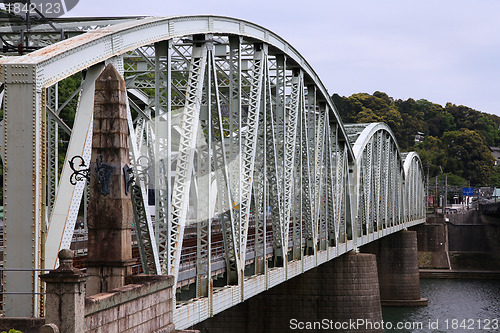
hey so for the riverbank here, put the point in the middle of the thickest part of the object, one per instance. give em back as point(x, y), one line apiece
point(459, 274)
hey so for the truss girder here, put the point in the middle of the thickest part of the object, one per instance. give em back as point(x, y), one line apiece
point(274, 123)
point(271, 123)
point(233, 123)
point(142, 219)
point(414, 207)
point(248, 148)
point(319, 171)
point(265, 172)
point(52, 148)
point(204, 204)
point(341, 174)
point(383, 176)
point(161, 172)
point(184, 166)
point(307, 176)
point(68, 198)
point(331, 169)
point(290, 137)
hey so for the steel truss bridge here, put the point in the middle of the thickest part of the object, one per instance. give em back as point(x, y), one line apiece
point(232, 134)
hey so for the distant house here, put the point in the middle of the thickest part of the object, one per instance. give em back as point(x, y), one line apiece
point(496, 193)
point(419, 137)
point(495, 151)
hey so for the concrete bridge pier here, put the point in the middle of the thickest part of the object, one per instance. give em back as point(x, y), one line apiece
point(340, 295)
point(397, 265)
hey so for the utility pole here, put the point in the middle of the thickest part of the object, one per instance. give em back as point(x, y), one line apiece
point(445, 192)
point(467, 197)
point(427, 187)
point(443, 202)
point(435, 197)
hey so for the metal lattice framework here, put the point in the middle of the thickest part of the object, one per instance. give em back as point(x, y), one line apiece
point(390, 188)
point(414, 187)
point(232, 135)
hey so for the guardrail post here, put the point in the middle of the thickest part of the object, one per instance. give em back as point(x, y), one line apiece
point(65, 304)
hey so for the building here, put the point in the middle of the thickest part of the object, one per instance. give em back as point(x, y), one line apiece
point(495, 151)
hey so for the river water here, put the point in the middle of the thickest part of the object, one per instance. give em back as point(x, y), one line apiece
point(454, 306)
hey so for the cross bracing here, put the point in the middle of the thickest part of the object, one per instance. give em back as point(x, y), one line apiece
point(235, 143)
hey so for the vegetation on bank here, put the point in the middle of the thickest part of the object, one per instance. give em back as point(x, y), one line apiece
point(454, 138)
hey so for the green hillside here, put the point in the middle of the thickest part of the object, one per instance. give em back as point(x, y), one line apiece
point(453, 137)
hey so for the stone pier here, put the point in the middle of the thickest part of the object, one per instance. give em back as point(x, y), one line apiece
point(397, 265)
point(330, 297)
point(110, 209)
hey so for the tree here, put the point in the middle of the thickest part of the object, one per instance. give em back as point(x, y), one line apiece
point(488, 129)
point(431, 153)
point(456, 137)
point(495, 178)
point(472, 157)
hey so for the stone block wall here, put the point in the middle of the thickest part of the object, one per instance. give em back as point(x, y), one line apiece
point(145, 305)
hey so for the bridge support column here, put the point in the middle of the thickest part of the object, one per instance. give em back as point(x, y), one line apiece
point(335, 294)
point(397, 265)
point(351, 284)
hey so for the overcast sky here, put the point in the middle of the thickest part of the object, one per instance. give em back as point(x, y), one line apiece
point(439, 50)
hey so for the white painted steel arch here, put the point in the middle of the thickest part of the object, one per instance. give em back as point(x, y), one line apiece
point(232, 132)
point(62, 59)
point(414, 187)
point(380, 180)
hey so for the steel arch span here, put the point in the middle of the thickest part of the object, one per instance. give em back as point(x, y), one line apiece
point(388, 184)
point(414, 187)
point(232, 134)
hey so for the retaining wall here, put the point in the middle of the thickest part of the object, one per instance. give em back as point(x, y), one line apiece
point(142, 306)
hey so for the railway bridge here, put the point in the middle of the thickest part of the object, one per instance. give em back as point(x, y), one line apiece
point(236, 147)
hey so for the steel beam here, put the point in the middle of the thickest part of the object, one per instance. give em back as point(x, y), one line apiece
point(23, 165)
point(68, 198)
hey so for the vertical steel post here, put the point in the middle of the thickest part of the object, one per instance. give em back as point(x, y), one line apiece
point(22, 194)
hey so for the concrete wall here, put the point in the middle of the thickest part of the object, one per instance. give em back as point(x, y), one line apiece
point(143, 306)
point(469, 241)
point(468, 238)
point(431, 237)
point(25, 325)
point(467, 217)
point(432, 241)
